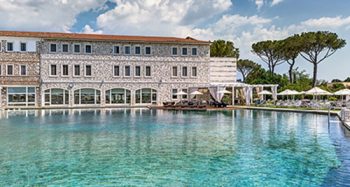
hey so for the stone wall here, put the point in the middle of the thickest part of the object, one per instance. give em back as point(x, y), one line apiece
point(106, 48)
point(102, 76)
point(31, 60)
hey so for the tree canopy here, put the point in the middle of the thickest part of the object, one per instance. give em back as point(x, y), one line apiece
point(222, 48)
point(269, 52)
point(290, 50)
point(245, 67)
point(317, 46)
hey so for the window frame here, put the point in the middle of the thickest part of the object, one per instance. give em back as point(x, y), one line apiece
point(182, 48)
point(150, 50)
point(173, 95)
point(50, 48)
point(114, 66)
point(85, 70)
point(85, 52)
point(12, 43)
point(114, 49)
point(74, 75)
point(63, 70)
point(172, 71)
point(194, 76)
point(63, 48)
point(150, 71)
point(137, 46)
point(182, 71)
point(130, 74)
point(196, 51)
point(76, 44)
point(13, 69)
point(125, 46)
point(50, 70)
point(20, 70)
point(135, 74)
point(25, 46)
point(172, 51)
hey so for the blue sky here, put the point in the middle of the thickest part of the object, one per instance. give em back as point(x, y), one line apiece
point(242, 21)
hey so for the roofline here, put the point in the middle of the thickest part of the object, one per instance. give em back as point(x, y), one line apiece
point(101, 37)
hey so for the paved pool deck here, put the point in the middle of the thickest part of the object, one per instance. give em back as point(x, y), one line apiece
point(322, 112)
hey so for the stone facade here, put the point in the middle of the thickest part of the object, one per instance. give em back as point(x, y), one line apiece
point(45, 69)
point(31, 61)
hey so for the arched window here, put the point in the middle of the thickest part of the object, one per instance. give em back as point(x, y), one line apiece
point(146, 96)
point(87, 96)
point(118, 96)
point(56, 96)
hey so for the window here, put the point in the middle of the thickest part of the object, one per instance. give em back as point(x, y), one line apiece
point(65, 48)
point(137, 50)
point(53, 70)
point(146, 96)
point(87, 96)
point(76, 48)
point(148, 71)
point(127, 72)
point(184, 71)
point(184, 51)
point(23, 70)
point(88, 70)
point(137, 71)
point(174, 92)
point(118, 96)
point(76, 70)
point(9, 46)
point(148, 50)
point(88, 49)
point(116, 50)
point(194, 51)
point(65, 70)
point(127, 50)
point(174, 71)
point(23, 46)
point(9, 70)
point(185, 95)
point(116, 71)
point(53, 48)
point(194, 71)
point(56, 96)
point(174, 51)
point(21, 96)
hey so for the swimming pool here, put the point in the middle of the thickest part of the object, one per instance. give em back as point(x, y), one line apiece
point(167, 148)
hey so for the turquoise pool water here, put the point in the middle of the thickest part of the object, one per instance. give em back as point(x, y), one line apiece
point(140, 147)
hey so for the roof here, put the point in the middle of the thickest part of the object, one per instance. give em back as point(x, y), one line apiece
point(101, 37)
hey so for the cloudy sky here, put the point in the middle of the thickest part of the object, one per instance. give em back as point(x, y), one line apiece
point(242, 21)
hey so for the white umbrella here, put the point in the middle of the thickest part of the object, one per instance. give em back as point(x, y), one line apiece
point(181, 93)
point(224, 92)
point(289, 92)
point(317, 91)
point(343, 92)
point(196, 93)
point(264, 92)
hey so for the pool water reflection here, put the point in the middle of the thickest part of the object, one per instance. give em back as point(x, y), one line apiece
point(148, 147)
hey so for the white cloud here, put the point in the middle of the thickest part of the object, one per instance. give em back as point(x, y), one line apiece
point(259, 3)
point(159, 17)
point(275, 2)
point(48, 15)
point(88, 30)
point(327, 22)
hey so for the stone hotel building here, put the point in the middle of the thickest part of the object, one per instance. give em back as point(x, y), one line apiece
point(42, 70)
